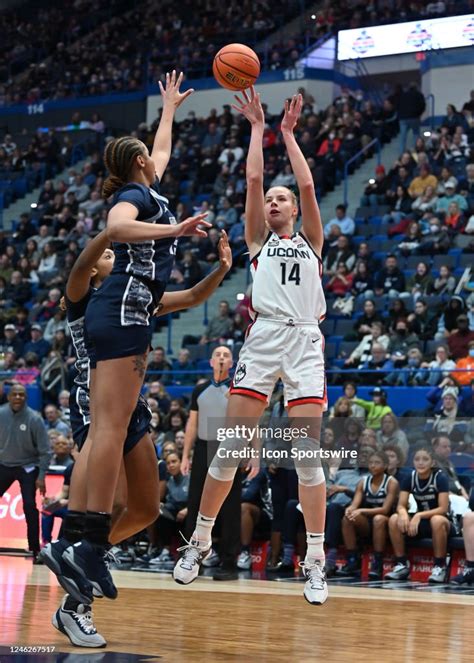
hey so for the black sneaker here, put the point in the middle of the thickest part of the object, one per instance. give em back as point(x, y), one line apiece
point(77, 623)
point(376, 570)
point(226, 573)
point(281, 567)
point(72, 582)
point(92, 563)
point(351, 568)
point(466, 577)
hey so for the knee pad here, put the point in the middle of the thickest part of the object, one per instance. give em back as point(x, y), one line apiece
point(227, 459)
point(222, 473)
point(306, 453)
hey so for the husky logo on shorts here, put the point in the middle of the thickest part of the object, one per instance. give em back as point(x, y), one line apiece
point(240, 373)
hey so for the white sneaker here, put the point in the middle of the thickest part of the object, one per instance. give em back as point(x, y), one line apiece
point(438, 574)
point(316, 587)
point(399, 572)
point(211, 560)
point(164, 560)
point(187, 567)
point(244, 560)
point(78, 625)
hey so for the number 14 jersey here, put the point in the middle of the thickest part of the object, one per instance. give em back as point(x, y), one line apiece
point(286, 275)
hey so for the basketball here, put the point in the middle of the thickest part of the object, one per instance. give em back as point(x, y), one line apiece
point(236, 67)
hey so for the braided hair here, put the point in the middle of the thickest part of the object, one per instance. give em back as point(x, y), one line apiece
point(119, 156)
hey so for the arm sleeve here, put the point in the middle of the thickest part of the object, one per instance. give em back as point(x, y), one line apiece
point(41, 441)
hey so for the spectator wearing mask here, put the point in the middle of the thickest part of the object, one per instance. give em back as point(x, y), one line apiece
point(401, 341)
point(438, 239)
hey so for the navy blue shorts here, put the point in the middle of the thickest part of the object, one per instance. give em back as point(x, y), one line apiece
point(118, 316)
point(79, 414)
point(138, 427)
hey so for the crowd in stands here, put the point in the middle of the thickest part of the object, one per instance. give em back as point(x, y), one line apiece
point(62, 57)
point(405, 302)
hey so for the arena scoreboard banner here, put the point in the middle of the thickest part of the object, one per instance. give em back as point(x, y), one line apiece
point(411, 37)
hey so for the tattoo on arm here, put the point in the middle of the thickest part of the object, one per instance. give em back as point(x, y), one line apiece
point(140, 365)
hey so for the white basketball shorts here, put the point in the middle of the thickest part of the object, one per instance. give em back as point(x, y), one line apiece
point(292, 350)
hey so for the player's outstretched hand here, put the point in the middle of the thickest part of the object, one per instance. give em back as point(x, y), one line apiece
point(292, 112)
point(171, 94)
point(225, 252)
point(189, 227)
point(250, 106)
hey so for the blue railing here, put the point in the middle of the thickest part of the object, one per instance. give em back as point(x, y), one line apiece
point(373, 143)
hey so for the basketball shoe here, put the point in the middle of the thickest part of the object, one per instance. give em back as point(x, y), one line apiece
point(316, 587)
point(92, 562)
point(76, 621)
point(187, 567)
point(466, 577)
point(72, 582)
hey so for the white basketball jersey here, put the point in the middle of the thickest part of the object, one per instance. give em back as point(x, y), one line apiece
point(286, 276)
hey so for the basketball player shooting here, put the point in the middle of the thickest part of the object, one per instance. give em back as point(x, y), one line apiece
point(284, 340)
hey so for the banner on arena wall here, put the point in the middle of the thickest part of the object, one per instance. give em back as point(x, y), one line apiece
point(12, 518)
point(411, 37)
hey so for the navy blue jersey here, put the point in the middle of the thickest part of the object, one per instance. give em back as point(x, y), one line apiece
point(151, 260)
point(425, 491)
point(375, 500)
point(79, 399)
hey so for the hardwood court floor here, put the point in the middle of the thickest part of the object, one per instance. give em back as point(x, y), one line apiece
point(247, 620)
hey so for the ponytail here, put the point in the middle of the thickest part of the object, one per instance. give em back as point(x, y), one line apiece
point(111, 184)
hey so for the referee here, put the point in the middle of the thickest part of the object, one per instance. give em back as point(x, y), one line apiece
point(24, 457)
point(208, 408)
